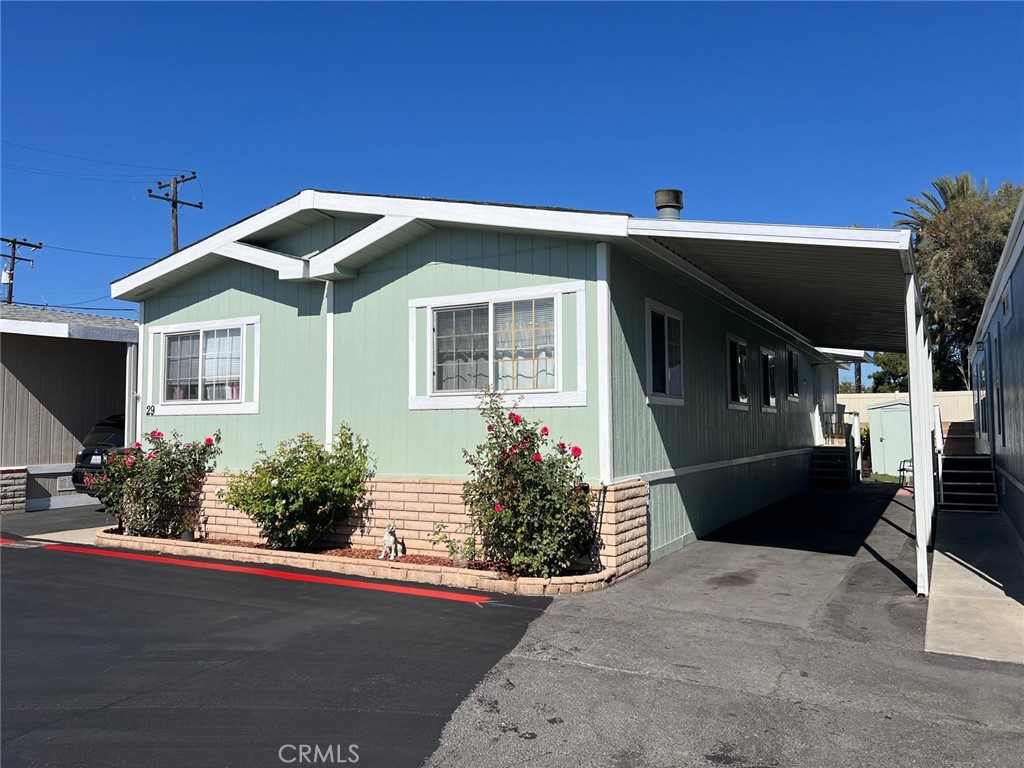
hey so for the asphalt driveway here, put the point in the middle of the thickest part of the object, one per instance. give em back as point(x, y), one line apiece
point(792, 638)
point(116, 662)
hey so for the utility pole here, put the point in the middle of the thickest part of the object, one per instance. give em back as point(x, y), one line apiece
point(172, 198)
point(13, 258)
point(857, 386)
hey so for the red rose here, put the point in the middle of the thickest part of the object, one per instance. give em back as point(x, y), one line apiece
point(209, 441)
point(129, 461)
point(497, 507)
point(138, 445)
point(515, 418)
point(537, 458)
point(544, 431)
point(490, 427)
point(576, 451)
point(561, 447)
point(88, 479)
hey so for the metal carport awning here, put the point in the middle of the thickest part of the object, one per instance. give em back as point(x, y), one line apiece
point(846, 288)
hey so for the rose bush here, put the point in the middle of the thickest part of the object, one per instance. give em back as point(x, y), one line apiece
point(297, 493)
point(527, 501)
point(156, 491)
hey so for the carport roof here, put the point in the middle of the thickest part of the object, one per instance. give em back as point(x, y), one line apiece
point(838, 287)
point(36, 321)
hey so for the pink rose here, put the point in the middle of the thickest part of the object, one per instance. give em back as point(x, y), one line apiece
point(150, 455)
point(576, 452)
point(497, 507)
point(129, 461)
point(88, 479)
point(209, 441)
point(537, 458)
point(138, 445)
point(515, 418)
point(544, 431)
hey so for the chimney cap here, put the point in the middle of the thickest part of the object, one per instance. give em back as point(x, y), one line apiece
point(669, 202)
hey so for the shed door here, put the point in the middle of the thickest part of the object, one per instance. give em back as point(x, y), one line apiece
point(878, 465)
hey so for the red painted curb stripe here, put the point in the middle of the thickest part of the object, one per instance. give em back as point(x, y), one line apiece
point(4, 540)
point(415, 591)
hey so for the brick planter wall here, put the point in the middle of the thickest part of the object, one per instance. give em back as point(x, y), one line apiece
point(13, 489)
point(417, 505)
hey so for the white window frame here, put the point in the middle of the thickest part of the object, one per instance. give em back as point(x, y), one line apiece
point(657, 398)
point(249, 395)
point(735, 406)
point(462, 400)
point(792, 382)
point(1006, 304)
point(772, 353)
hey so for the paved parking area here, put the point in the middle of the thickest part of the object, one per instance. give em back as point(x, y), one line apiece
point(793, 638)
point(117, 662)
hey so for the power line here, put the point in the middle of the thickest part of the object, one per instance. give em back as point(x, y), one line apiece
point(99, 253)
point(139, 178)
point(90, 159)
point(75, 306)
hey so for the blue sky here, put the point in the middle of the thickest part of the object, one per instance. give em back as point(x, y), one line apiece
point(806, 113)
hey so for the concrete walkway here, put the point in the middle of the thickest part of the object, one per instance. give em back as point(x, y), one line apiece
point(976, 607)
point(794, 638)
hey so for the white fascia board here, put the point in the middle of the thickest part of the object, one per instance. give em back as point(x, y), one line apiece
point(845, 355)
point(331, 261)
point(287, 267)
point(33, 328)
point(771, 233)
point(127, 285)
point(477, 214)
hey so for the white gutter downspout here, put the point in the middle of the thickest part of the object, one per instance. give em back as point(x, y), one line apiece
point(604, 363)
point(329, 365)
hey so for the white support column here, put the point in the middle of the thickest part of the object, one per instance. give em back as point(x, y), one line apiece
point(920, 390)
point(131, 388)
point(139, 368)
point(604, 362)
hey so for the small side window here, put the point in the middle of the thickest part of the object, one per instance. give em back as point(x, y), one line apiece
point(664, 355)
point(793, 374)
point(738, 393)
point(768, 396)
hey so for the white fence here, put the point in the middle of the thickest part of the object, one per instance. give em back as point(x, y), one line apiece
point(955, 406)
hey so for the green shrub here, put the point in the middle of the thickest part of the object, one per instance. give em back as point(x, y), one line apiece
point(297, 493)
point(156, 491)
point(527, 502)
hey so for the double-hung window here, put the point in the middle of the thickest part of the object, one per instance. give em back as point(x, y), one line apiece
point(768, 396)
point(508, 345)
point(203, 366)
point(737, 355)
point(664, 355)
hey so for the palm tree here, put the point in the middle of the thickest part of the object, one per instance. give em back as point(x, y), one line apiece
point(924, 214)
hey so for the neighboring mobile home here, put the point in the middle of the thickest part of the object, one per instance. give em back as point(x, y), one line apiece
point(997, 367)
point(60, 373)
point(682, 356)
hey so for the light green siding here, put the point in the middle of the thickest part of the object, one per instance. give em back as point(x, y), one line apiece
point(652, 438)
point(371, 346)
point(372, 343)
point(315, 237)
point(291, 356)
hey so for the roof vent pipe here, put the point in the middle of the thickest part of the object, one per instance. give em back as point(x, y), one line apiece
point(669, 203)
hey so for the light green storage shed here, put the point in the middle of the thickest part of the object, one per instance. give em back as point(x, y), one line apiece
point(890, 436)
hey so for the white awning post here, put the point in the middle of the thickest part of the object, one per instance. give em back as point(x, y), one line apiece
point(919, 372)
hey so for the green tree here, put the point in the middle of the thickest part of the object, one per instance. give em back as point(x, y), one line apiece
point(845, 388)
point(891, 375)
point(959, 235)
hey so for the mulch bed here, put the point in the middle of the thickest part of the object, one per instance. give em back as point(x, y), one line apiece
point(366, 554)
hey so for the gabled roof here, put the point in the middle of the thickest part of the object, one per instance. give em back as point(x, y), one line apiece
point(37, 321)
point(807, 280)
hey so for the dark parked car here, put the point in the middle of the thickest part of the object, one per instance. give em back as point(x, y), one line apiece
point(105, 436)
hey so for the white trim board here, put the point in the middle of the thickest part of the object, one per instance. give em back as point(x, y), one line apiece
point(668, 474)
point(507, 294)
point(604, 362)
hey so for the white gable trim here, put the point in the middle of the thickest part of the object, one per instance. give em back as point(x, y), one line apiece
point(287, 267)
point(332, 260)
point(34, 328)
